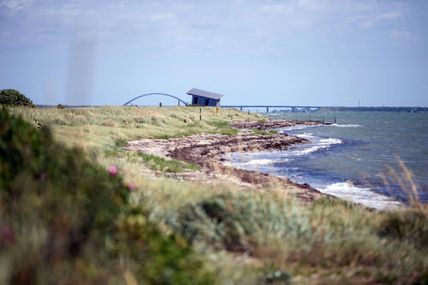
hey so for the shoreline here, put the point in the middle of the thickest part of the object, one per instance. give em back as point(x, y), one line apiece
point(208, 152)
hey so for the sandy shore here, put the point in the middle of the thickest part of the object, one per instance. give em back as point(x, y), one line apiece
point(208, 151)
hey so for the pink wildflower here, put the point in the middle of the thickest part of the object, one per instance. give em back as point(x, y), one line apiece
point(131, 186)
point(112, 170)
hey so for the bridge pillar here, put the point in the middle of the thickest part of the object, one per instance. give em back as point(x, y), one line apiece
point(240, 108)
point(267, 110)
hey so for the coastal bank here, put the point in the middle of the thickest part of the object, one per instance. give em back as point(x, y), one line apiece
point(243, 232)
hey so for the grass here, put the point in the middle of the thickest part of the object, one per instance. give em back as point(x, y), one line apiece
point(99, 128)
point(331, 241)
point(264, 132)
point(152, 162)
point(167, 165)
point(244, 236)
point(66, 220)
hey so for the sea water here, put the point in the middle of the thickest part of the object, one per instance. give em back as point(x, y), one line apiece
point(353, 158)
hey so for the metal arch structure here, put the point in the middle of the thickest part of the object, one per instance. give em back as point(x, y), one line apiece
point(152, 94)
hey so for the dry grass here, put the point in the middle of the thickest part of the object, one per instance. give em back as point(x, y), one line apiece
point(101, 128)
point(405, 179)
point(246, 237)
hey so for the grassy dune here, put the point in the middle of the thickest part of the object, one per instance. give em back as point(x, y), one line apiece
point(246, 237)
point(102, 128)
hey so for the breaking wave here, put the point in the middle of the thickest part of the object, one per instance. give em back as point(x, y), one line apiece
point(315, 144)
point(364, 196)
point(346, 126)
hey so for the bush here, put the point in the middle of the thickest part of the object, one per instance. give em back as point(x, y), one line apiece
point(13, 97)
point(409, 225)
point(65, 220)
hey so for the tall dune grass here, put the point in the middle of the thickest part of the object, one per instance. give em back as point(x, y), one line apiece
point(331, 241)
point(246, 236)
point(99, 128)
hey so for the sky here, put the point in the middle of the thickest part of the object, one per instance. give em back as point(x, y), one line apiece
point(289, 52)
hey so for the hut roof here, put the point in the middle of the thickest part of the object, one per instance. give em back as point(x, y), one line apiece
point(203, 93)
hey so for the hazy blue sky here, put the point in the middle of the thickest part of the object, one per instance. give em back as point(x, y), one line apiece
point(305, 52)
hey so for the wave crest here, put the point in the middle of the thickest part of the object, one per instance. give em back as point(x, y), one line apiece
point(346, 125)
point(364, 196)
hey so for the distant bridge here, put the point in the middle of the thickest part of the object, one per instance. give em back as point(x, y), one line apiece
point(241, 107)
point(156, 94)
point(268, 107)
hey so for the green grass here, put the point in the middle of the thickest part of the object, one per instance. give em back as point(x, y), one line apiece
point(152, 162)
point(167, 165)
point(241, 235)
point(264, 132)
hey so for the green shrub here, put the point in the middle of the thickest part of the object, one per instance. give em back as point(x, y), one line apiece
point(13, 97)
point(408, 225)
point(241, 223)
point(64, 220)
point(329, 235)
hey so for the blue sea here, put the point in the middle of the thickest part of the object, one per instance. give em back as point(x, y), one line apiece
point(358, 158)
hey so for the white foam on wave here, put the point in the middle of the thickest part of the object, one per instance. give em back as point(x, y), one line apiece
point(258, 162)
point(346, 126)
point(315, 146)
point(364, 196)
point(308, 136)
point(331, 141)
point(302, 127)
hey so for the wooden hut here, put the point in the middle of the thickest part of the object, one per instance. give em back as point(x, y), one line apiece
point(204, 98)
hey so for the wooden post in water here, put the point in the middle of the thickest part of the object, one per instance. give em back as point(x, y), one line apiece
point(323, 121)
point(200, 114)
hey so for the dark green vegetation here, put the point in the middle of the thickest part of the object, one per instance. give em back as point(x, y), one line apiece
point(12, 97)
point(64, 220)
point(166, 165)
point(338, 242)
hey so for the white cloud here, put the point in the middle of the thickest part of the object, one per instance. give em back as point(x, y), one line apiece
point(192, 25)
point(15, 5)
point(370, 21)
point(400, 35)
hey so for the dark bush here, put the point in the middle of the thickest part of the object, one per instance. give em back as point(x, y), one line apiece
point(13, 97)
point(408, 225)
point(232, 223)
point(65, 220)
